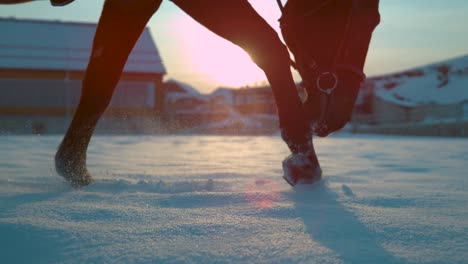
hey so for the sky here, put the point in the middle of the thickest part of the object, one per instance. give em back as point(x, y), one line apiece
point(411, 33)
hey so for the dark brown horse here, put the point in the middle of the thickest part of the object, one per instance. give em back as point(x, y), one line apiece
point(315, 30)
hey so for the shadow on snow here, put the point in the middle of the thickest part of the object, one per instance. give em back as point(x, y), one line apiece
point(331, 224)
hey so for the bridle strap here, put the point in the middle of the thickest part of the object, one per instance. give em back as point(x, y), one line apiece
point(280, 5)
point(326, 94)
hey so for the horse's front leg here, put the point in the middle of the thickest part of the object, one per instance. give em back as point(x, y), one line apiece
point(120, 26)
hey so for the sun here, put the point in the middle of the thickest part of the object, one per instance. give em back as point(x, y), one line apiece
point(219, 61)
point(227, 65)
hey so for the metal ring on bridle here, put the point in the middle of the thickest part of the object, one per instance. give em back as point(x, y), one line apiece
point(327, 90)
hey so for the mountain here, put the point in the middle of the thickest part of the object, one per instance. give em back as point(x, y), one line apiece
point(443, 82)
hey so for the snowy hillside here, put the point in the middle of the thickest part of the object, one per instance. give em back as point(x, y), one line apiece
point(439, 83)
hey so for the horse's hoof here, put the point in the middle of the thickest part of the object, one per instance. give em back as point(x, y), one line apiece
point(74, 171)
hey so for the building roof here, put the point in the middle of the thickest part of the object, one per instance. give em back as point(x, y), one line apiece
point(178, 86)
point(55, 45)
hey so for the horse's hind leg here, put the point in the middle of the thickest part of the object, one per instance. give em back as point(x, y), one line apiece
point(120, 26)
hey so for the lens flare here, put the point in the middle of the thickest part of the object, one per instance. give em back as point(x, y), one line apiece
point(263, 194)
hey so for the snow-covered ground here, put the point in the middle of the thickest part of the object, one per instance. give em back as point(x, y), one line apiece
point(215, 199)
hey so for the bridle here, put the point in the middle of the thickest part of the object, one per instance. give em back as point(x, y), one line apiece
point(320, 74)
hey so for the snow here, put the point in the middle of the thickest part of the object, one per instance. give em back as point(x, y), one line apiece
point(236, 122)
point(427, 88)
point(424, 90)
point(220, 199)
point(225, 94)
point(187, 88)
point(176, 96)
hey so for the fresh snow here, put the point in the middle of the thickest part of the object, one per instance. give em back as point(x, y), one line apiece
point(221, 199)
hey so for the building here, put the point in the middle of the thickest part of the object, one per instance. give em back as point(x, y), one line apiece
point(181, 98)
point(42, 64)
point(258, 100)
point(186, 108)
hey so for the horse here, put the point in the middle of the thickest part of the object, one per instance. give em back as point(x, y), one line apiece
point(328, 38)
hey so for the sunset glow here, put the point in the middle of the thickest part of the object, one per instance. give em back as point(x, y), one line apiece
point(256, 196)
point(218, 60)
point(225, 64)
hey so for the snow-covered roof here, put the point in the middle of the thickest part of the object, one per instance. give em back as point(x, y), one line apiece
point(184, 86)
point(226, 93)
point(439, 83)
point(55, 45)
